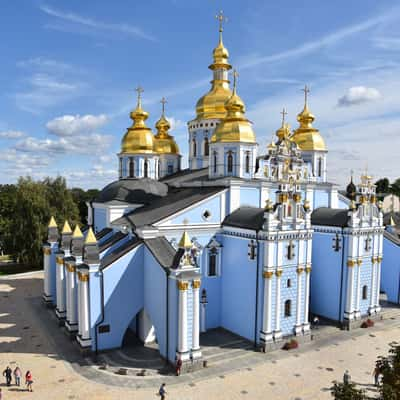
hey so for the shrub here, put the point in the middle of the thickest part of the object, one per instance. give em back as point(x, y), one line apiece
point(368, 323)
point(292, 344)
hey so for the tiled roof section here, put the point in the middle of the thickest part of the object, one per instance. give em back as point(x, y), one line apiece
point(177, 200)
point(163, 252)
point(246, 218)
point(330, 217)
point(102, 233)
point(133, 191)
point(120, 251)
point(116, 237)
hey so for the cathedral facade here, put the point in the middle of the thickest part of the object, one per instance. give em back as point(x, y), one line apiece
point(247, 239)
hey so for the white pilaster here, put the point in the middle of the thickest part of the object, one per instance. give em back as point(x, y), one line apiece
point(47, 297)
point(79, 302)
point(266, 333)
point(357, 313)
point(72, 317)
point(372, 299)
point(299, 326)
point(277, 331)
point(196, 353)
point(378, 283)
point(349, 312)
point(306, 323)
point(60, 281)
point(182, 321)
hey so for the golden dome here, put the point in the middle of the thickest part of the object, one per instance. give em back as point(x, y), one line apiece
point(164, 143)
point(235, 127)
point(212, 104)
point(306, 136)
point(138, 138)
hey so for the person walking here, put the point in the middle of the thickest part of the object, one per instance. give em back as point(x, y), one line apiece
point(8, 374)
point(17, 376)
point(346, 377)
point(178, 366)
point(1, 394)
point(28, 381)
point(376, 374)
point(316, 322)
point(162, 392)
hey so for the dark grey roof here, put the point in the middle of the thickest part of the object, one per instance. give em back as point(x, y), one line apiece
point(177, 199)
point(116, 237)
point(246, 218)
point(140, 191)
point(120, 251)
point(395, 215)
point(186, 175)
point(163, 252)
point(102, 233)
point(330, 216)
point(392, 237)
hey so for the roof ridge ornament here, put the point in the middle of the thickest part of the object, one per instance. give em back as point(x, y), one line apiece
point(221, 19)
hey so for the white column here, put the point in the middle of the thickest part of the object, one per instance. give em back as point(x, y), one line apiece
point(266, 333)
point(67, 292)
point(182, 320)
point(350, 290)
point(46, 268)
point(196, 320)
point(60, 293)
point(306, 323)
point(373, 286)
point(378, 283)
point(79, 302)
point(72, 309)
point(299, 303)
point(85, 320)
point(358, 288)
point(277, 331)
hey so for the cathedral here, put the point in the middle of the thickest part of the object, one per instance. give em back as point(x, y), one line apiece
point(252, 240)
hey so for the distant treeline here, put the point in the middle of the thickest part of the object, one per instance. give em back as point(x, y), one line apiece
point(383, 186)
point(25, 211)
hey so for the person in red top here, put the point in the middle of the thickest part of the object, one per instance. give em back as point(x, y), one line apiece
point(29, 381)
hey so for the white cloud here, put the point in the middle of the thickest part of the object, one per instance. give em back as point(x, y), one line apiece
point(387, 43)
point(71, 125)
point(44, 63)
point(358, 95)
point(11, 134)
point(93, 24)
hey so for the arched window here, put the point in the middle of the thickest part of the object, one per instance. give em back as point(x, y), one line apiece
point(212, 262)
point(215, 161)
point(206, 146)
point(289, 283)
point(120, 167)
point(146, 169)
point(288, 308)
point(194, 147)
point(247, 163)
point(131, 168)
point(320, 166)
point(158, 168)
point(230, 162)
point(365, 292)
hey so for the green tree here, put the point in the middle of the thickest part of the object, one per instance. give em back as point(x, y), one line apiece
point(382, 187)
point(395, 187)
point(347, 391)
point(81, 197)
point(389, 367)
point(7, 207)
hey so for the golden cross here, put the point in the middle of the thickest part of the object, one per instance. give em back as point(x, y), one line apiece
point(221, 19)
point(139, 91)
point(306, 90)
point(163, 102)
point(284, 113)
point(235, 76)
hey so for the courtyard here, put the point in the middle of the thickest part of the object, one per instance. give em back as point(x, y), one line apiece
point(30, 338)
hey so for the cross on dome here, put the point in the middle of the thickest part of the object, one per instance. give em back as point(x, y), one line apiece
point(163, 101)
point(284, 113)
point(221, 19)
point(235, 77)
point(139, 91)
point(306, 91)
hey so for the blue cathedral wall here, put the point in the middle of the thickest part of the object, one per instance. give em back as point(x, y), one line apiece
point(321, 198)
point(249, 197)
point(173, 319)
point(365, 280)
point(52, 270)
point(327, 277)
point(122, 280)
point(390, 270)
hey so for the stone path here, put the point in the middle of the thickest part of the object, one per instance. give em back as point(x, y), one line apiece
point(29, 338)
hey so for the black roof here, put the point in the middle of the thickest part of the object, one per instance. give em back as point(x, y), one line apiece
point(140, 191)
point(177, 199)
point(330, 217)
point(163, 252)
point(185, 175)
point(116, 237)
point(246, 218)
point(392, 237)
point(102, 233)
point(395, 215)
point(119, 252)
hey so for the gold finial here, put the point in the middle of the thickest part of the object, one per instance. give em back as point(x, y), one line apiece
point(77, 233)
point(391, 222)
point(221, 19)
point(284, 113)
point(185, 242)
point(66, 228)
point(139, 91)
point(306, 90)
point(52, 223)
point(163, 101)
point(90, 237)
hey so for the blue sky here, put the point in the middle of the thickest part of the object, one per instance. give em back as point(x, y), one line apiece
point(69, 69)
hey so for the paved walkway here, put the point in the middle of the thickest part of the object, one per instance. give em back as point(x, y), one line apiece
point(30, 337)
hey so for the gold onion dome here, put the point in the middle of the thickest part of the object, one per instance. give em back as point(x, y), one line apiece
point(235, 127)
point(284, 131)
point(164, 143)
point(306, 136)
point(138, 138)
point(212, 104)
